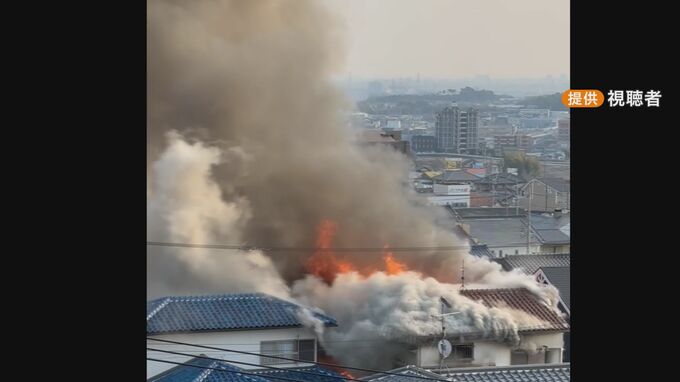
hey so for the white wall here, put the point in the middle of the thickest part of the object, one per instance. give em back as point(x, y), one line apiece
point(489, 353)
point(492, 354)
point(244, 340)
point(442, 200)
point(452, 189)
point(509, 251)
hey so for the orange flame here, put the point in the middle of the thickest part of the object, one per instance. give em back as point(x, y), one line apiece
point(333, 365)
point(346, 374)
point(326, 265)
point(323, 263)
point(392, 265)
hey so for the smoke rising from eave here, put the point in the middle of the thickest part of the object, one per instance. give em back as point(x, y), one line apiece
point(247, 146)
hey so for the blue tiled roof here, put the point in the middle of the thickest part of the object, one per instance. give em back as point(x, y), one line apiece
point(524, 373)
point(223, 312)
point(408, 373)
point(204, 373)
point(325, 374)
point(203, 370)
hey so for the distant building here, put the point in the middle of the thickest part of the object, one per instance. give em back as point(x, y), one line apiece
point(503, 181)
point(393, 124)
point(515, 141)
point(457, 130)
point(530, 264)
point(508, 231)
point(272, 325)
point(392, 138)
point(563, 130)
point(423, 143)
point(546, 194)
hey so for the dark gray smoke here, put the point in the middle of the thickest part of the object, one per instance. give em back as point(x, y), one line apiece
point(253, 76)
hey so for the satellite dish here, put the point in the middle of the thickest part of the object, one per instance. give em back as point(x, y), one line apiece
point(444, 347)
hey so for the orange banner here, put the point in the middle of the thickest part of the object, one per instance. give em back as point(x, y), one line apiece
point(583, 98)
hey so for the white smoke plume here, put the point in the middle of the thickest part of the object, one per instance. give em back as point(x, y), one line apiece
point(186, 207)
point(401, 309)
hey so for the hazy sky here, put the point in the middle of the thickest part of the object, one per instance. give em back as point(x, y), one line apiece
point(455, 38)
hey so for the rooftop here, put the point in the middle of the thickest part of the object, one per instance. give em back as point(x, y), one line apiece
point(207, 370)
point(223, 312)
point(560, 372)
point(529, 264)
point(375, 136)
point(487, 212)
point(503, 179)
point(480, 251)
point(456, 176)
point(502, 232)
point(560, 278)
point(520, 299)
point(552, 236)
point(559, 184)
point(406, 374)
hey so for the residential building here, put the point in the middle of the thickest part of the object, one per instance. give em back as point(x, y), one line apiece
point(546, 194)
point(530, 264)
point(450, 194)
point(503, 181)
point(560, 372)
point(457, 130)
point(521, 373)
point(377, 137)
point(522, 142)
point(560, 278)
point(564, 130)
point(502, 229)
point(479, 349)
point(205, 369)
point(253, 322)
point(423, 143)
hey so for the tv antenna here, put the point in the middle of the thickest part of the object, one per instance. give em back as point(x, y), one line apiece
point(444, 346)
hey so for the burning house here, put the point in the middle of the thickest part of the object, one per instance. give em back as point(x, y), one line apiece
point(247, 151)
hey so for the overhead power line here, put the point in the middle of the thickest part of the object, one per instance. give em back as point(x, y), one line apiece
point(223, 370)
point(315, 249)
point(256, 364)
point(291, 359)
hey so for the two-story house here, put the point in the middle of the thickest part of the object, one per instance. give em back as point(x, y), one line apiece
point(538, 344)
point(251, 322)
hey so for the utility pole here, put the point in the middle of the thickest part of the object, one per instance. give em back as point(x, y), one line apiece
point(531, 198)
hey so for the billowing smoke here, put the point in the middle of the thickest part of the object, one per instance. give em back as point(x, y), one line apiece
point(187, 207)
point(247, 146)
point(391, 312)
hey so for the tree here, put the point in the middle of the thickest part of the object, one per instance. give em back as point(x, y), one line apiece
point(528, 167)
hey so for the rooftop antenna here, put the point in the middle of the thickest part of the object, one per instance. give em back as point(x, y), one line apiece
point(444, 346)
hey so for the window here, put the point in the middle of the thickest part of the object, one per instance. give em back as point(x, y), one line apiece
point(463, 352)
point(500, 252)
point(519, 357)
point(302, 350)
